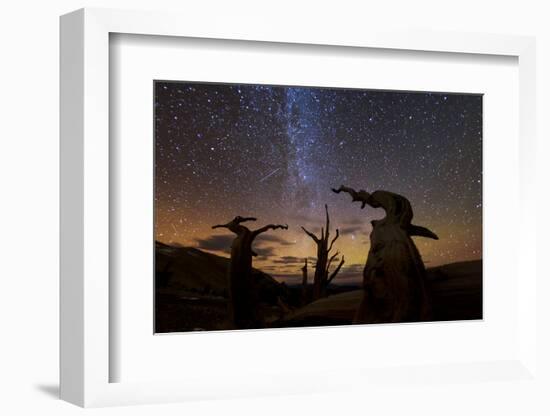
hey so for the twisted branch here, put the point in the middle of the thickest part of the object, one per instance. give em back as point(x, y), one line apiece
point(313, 236)
point(234, 222)
point(332, 259)
point(356, 196)
point(334, 239)
point(327, 226)
point(269, 227)
point(335, 272)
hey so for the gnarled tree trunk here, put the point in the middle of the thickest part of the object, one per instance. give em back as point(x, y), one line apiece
point(243, 292)
point(394, 278)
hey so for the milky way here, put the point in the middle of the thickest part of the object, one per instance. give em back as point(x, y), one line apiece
point(274, 153)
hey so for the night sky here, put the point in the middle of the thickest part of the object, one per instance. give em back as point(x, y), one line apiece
point(274, 152)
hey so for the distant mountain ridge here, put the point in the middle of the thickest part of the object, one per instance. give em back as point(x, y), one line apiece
point(191, 269)
point(456, 292)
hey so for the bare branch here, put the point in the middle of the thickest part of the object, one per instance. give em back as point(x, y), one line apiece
point(234, 222)
point(327, 222)
point(304, 276)
point(329, 262)
point(269, 227)
point(313, 236)
point(356, 196)
point(421, 232)
point(240, 219)
point(346, 189)
point(335, 272)
point(323, 263)
point(334, 239)
point(333, 257)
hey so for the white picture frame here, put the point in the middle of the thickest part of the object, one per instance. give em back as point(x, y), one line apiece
point(85, 217)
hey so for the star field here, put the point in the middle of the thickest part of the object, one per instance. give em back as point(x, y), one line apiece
point(274, 153)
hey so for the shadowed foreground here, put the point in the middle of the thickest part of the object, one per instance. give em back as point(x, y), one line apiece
point(192, 294)
point(456, 293)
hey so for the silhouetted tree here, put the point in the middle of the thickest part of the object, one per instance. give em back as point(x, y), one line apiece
point(394, 278)
point(304, 283)
point(243, 291)
point(321, 277)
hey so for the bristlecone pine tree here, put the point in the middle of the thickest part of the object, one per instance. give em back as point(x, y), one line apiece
point(321, 278)
point(243, 291)
point(304, 283)
point(394, 277)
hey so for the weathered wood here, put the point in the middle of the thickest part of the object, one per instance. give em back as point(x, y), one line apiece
point(243, 291)
point(394, 278)
point(456, 291)
point(321, 276)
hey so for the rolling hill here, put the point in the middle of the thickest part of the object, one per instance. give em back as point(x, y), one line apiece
point(456, 293)
point(192, 294)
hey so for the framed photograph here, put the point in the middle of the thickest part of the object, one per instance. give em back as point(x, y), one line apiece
point(236, 207)
point(274, 152)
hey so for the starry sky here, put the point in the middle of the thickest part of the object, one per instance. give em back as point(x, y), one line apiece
point(274, 152)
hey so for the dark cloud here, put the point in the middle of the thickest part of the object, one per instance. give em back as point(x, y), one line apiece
point(216, 243)
point(223, 243)
point(264, 252)
point(272, 239)
point(292, 258)
point(289, 260)
point(351, 270)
